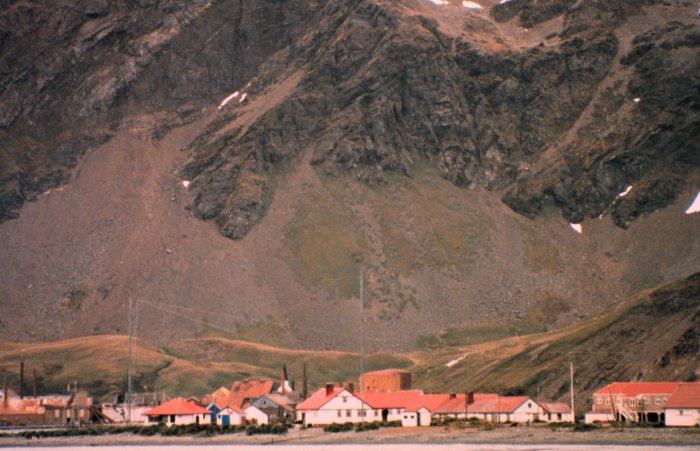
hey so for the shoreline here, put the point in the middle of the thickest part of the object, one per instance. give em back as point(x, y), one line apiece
point(533, 435)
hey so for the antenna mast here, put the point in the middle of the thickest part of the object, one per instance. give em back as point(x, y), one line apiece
point(128, 395)
point(362, 346)
point(573, 414)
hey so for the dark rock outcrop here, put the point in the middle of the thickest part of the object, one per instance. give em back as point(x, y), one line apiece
point(380, 90)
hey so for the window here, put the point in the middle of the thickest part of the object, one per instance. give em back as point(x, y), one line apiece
point(607, 401)
point(680, 412)
point(348, 413)
point(599, 400)
point(618, 400)
point(376, 413)
point(647, 401)
point(639, 402)
point(529, 404)
point(631, 402)
point(363, 413)
point(345, 399)
point(658, 401)
point(340, 413)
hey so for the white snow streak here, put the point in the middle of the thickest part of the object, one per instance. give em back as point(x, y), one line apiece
point(625, 192)
point(454, 362)
point(228, 99)
point(577, 227)
point(472, 5)
point(243, 97)
point(503, 1)
point(637, 99)
point(439, 2)
point(695, 206)
point(186, 183)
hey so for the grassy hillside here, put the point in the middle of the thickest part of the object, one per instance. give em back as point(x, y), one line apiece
point(653, 336)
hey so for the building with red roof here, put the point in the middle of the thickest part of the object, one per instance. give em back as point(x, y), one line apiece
point(631, 401)
point(683, 407)
point(420, 412)
point(555, 412)
point(230, 416)
point(506, 409)
point(338, 404)
point(241, 393)
point(179, 411)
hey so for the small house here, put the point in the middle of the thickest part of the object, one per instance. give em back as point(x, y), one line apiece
point(179, 411)
point(230, 416)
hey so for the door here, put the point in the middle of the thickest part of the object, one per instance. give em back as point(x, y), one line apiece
point(226, 420)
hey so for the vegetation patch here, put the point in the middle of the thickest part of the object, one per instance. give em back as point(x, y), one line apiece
point(326, 245)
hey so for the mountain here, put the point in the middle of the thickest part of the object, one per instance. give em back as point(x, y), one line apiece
point(232, 165)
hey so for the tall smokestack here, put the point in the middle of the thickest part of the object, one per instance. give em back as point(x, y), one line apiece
point(304, 384)
point(34, 383)
point(283, 389)
point(21, 379)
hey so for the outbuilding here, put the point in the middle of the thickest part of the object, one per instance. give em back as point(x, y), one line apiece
point(179, 411)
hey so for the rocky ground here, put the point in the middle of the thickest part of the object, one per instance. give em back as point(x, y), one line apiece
point(378, 134)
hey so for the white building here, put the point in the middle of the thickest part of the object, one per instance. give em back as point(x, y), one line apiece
point(331, 405)
point(556, 412)
point(256, 415)
point(230, 416)
point(343, 405)
point(179, 411)
point(683, 407)
point(506, 409)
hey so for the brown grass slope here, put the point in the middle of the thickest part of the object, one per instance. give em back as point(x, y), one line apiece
point(652, 337)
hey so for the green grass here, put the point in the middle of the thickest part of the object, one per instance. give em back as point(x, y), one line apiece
point(545, 311)
point(426, 221)
point(326, 245)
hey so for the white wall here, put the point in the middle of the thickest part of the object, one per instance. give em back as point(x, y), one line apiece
point(189, 419)
point(253, 414)
point(592, 417)
point(528, 411)
point(554, 417)
point(235, 418)
point(411, 419)
point(682, 417)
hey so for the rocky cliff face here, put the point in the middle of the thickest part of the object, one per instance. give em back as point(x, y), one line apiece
point(332, 121)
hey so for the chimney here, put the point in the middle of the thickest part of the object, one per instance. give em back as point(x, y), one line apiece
point(329, 389)
point(4, 389)
point(293, 384)
point(283, 389)
point(351, 387)
point(470, 397)
point(21, 379)
point(453, 395)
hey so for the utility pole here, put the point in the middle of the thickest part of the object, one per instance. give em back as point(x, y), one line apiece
point(362, 346)
point(573, 414)
point(128, 389)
